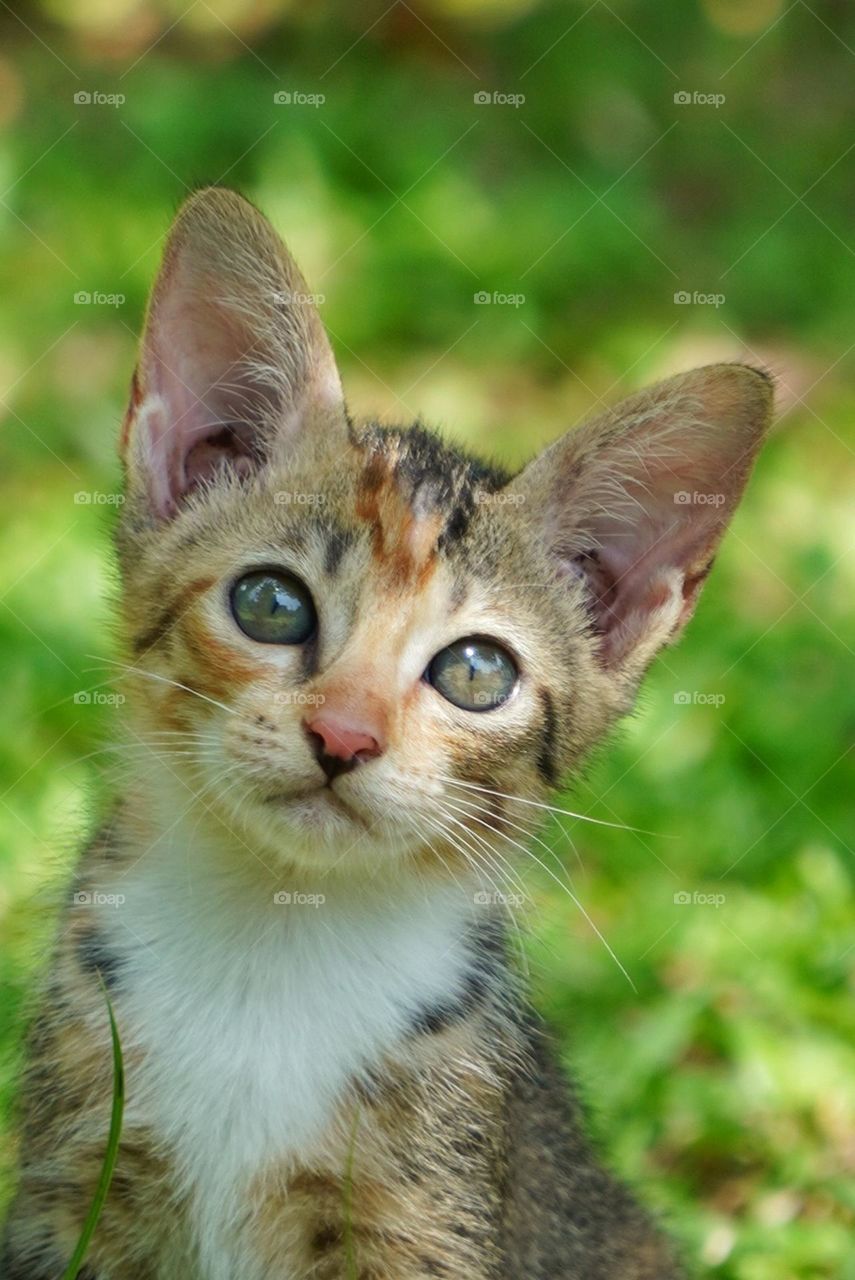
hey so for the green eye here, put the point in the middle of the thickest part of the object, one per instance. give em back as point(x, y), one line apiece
point(475, 674)
point(273, 607)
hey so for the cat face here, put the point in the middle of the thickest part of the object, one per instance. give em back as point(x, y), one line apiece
point(342, 644)
point(354, 645)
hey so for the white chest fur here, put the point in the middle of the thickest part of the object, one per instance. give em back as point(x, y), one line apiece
point(253, 1014)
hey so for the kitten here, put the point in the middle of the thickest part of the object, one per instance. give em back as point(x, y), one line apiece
point(349, 647)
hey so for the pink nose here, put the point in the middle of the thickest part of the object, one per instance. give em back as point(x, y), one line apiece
point(343, 740)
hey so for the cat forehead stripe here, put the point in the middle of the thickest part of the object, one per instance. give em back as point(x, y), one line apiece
point(426, 491)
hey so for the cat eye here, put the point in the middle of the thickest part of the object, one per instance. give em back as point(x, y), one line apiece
point(273, 607)
point(475, 674)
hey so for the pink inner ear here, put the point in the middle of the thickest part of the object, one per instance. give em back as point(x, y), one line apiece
point(233, 364)
point(201, 413)
point(650, 565)
point(185, 449)
point(223, 450)
point(636, 502)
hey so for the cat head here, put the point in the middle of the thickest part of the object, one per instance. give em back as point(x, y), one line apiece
point(352, 642)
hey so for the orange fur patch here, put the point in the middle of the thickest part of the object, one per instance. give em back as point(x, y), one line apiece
point(403, 542)
point(133, 405)
point(219, 669)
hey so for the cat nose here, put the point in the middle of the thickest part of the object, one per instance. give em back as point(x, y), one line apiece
point(339, 745)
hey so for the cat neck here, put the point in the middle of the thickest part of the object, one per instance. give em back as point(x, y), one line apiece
point(171, 846)
point(237, 976)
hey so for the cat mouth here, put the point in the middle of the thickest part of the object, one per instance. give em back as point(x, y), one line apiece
point(324, 795)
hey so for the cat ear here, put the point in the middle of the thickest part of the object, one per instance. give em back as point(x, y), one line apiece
point(234, 362)
point(635, 502)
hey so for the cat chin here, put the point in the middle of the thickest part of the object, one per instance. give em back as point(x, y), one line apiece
point(321, 832)
point(319, 819)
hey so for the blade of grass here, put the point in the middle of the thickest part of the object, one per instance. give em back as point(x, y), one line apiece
point(110, 1155)
point(347, 1197)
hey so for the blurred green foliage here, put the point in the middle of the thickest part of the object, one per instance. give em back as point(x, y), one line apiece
point(725, 1085)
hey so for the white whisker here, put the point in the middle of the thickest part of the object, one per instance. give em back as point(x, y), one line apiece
point(151, 675)
point(550, 808)
point(570, 893)
point(475, 809)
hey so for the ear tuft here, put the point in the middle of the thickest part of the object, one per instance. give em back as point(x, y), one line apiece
point(234, 362)
point(635, 502)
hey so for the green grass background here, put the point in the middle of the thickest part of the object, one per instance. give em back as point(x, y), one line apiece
point(725, 1086)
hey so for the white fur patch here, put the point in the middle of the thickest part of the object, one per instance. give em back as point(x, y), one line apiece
point(253, 1015)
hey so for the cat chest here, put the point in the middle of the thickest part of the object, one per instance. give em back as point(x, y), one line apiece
point(246, 1041)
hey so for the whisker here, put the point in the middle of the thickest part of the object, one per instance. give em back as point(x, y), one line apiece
point(570, 893)
point(151, 675)
point(436, 854)
point(551, 808)
point(530, 835)
point(475, 860)
point(500, 899)
point(510, 873)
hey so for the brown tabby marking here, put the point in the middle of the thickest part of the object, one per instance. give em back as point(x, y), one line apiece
point(404, 541)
